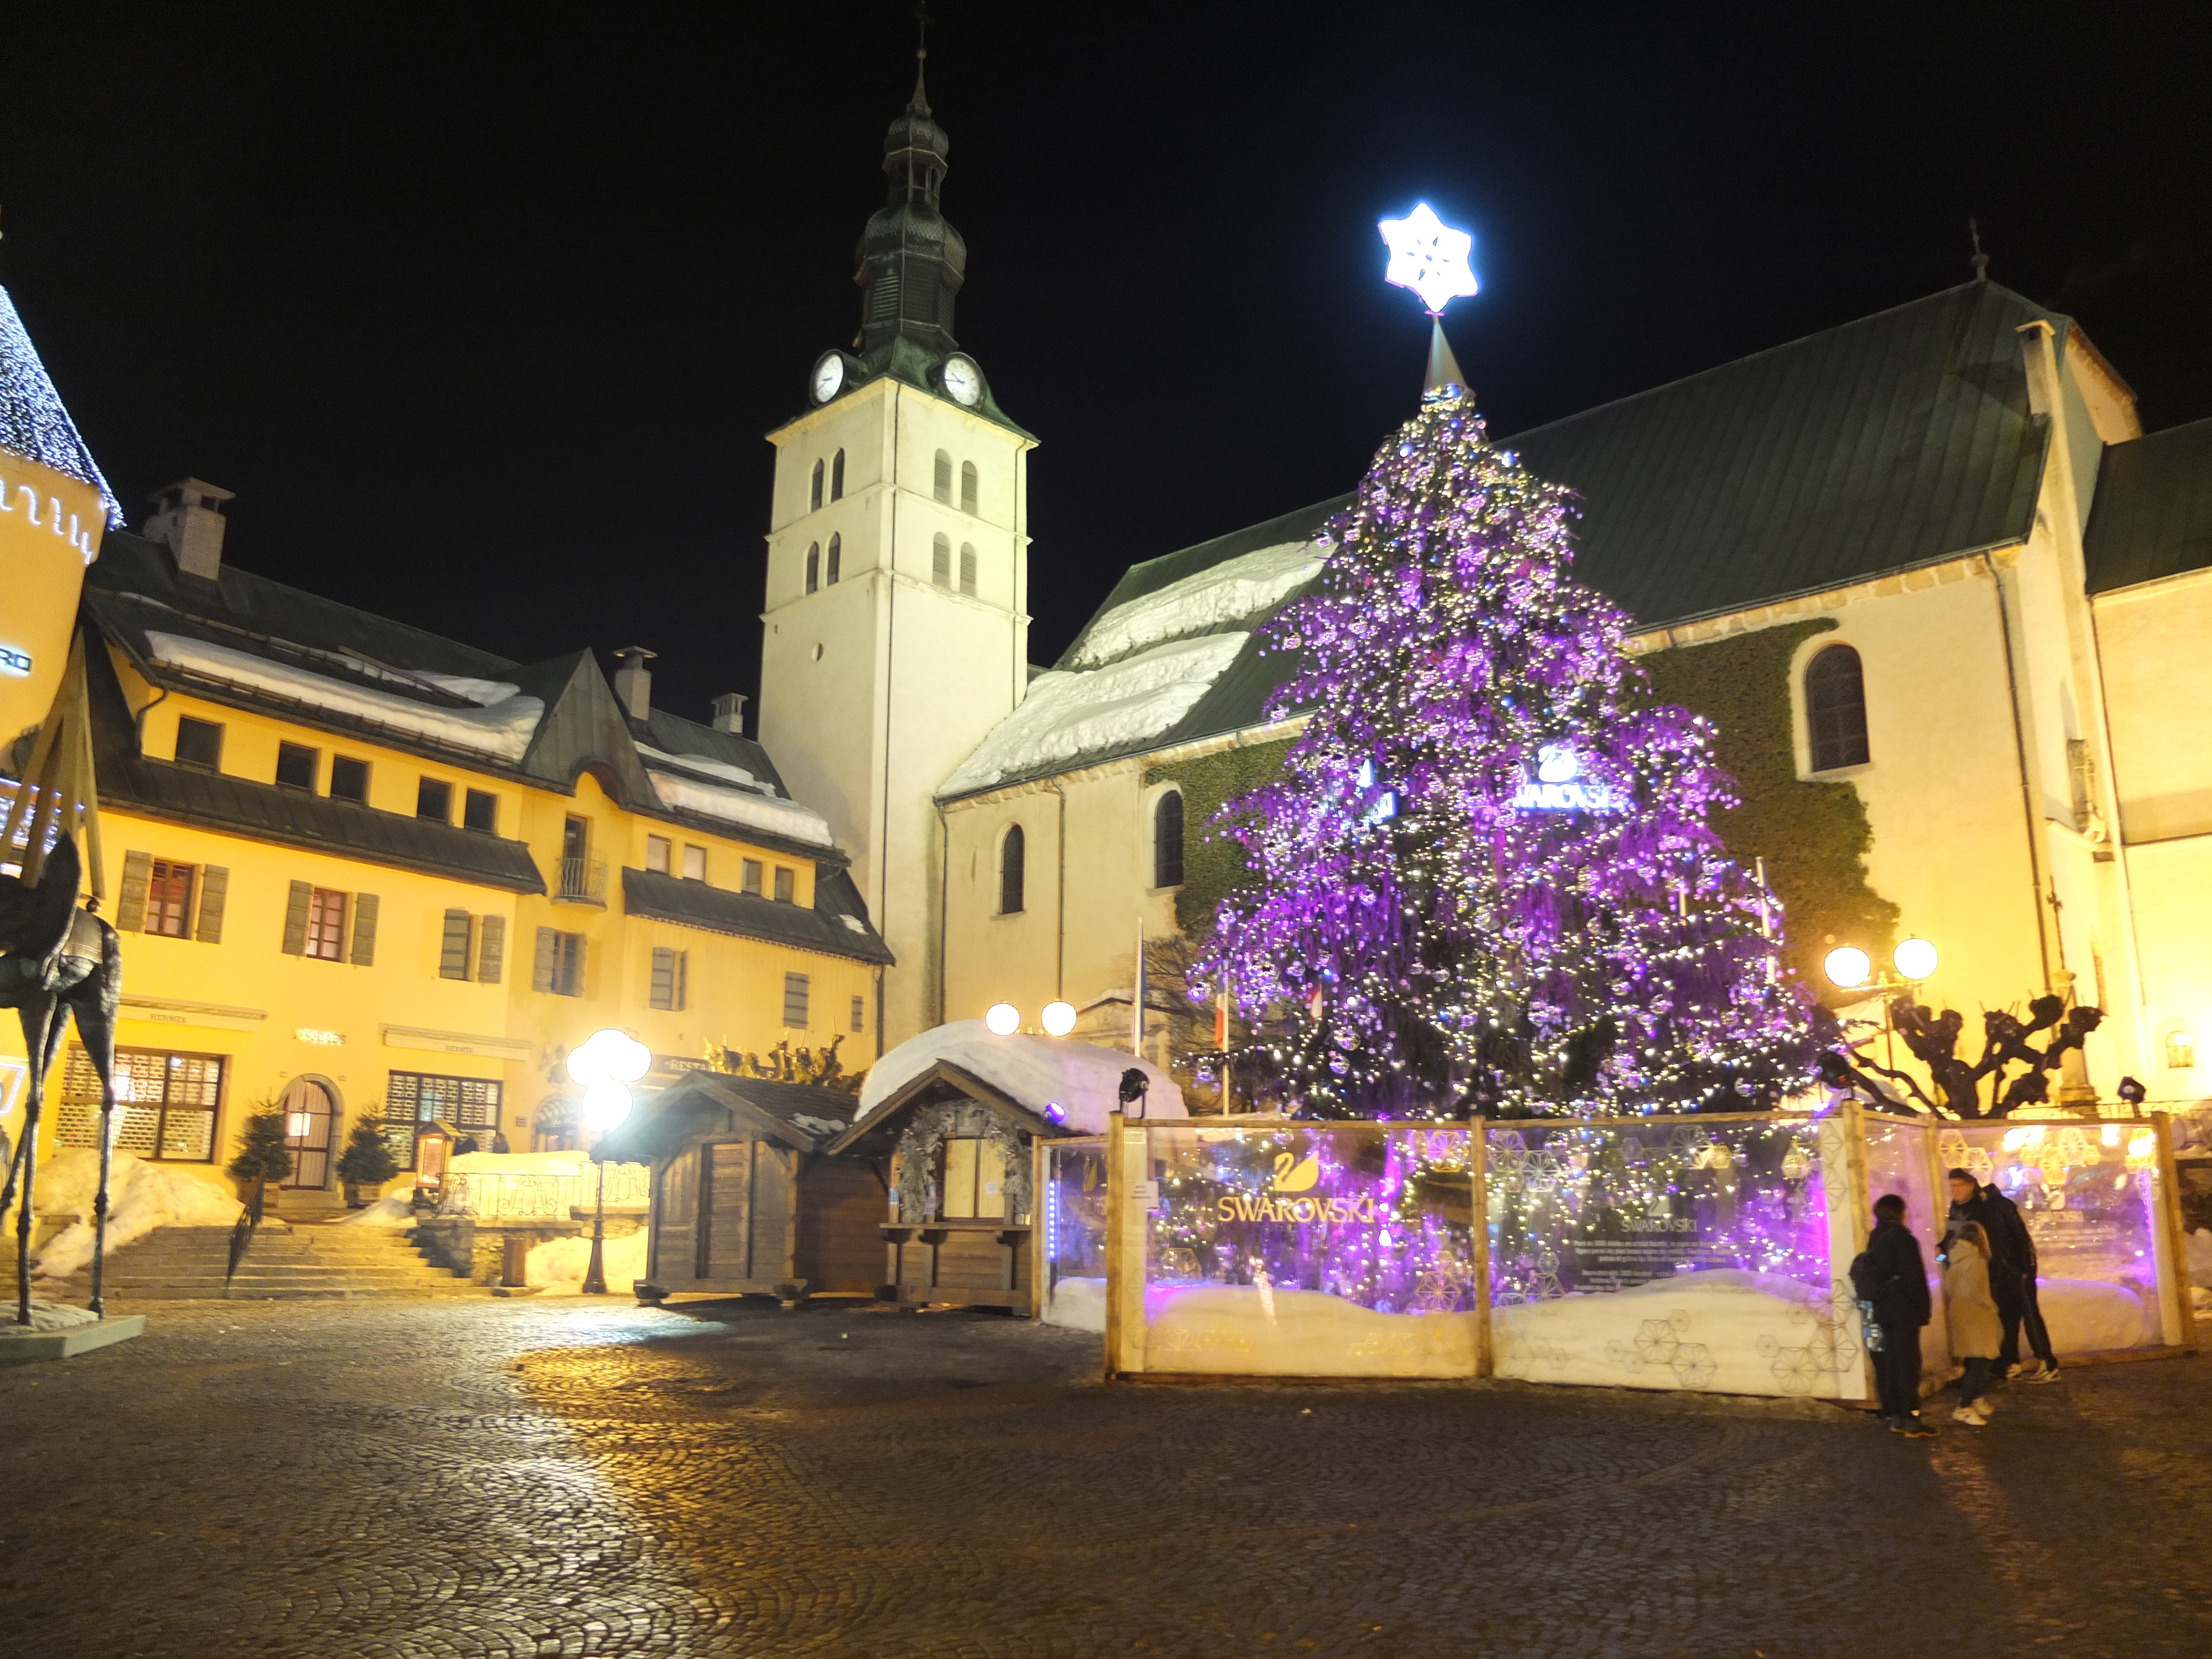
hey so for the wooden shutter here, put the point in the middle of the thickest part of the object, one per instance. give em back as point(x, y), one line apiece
point(130, 908)
point(453, 947)
point(683, 974)
point(214, 893)
point(364, 930)
point(491, 949)
point(541, 970)
point(296, 918)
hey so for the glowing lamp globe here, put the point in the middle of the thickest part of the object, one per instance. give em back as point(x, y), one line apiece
point(610, 1056)
point(1059, 1017)
point(1848, 967)
point(1004, 1019)
point(1914, 959)
point(605, 1105)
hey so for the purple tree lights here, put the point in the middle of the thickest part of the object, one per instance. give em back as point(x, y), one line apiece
point(1486, 881)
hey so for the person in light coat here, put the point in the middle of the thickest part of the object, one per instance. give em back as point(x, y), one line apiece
point(1977, 1330)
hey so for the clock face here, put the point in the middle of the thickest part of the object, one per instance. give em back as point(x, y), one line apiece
point(829, 377)
point(964, 380)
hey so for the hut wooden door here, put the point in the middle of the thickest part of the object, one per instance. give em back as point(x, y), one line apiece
point(726, 1206)
point(675, 1215)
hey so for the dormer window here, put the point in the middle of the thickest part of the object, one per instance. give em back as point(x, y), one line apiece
point(942, 484)
point(968, 487)
point(837, 480)
point(814, 495)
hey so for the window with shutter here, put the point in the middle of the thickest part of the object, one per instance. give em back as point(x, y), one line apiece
point(795, 1001)
point(215, 894)
point(548, 953)
point(131, 905)
point(364, 930)
point(169, 899)
point(297, 909)
point(967, 490)
point(942, 481)
point(491, 949)
point(326, 911)
point(453, 949)
point(668, 975)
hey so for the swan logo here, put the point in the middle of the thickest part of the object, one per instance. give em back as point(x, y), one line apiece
point(1561, 785)
point(1294, 1175)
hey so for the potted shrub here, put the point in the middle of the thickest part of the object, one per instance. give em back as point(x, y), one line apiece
point(262, 1157)
point(367, 1160)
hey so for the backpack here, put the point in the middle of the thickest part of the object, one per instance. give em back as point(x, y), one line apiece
point(1864, 1285)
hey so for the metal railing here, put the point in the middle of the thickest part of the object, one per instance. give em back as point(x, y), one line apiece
point(493, 1195)
point(582, 881)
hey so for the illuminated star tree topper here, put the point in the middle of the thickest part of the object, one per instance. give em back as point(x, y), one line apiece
point(1429, 256)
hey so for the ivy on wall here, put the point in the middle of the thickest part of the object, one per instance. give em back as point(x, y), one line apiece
point(1814, 835)
point(1213, 862)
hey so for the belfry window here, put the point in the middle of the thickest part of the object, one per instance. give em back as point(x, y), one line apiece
point(968, 567)
point(1167, 840)
point(837, 478)
point(942, 483)
point(1013, 856)
point(968, 487)
point(1835, 709)
point(837, 559)
point(813, 566)
point(940, 561)
point(814, 496)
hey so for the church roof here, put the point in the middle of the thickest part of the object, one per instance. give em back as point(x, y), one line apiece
point(1899, 439)
point(2153, 512)
point(34, 421)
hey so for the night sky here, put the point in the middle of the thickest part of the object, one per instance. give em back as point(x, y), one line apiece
point(483, 310)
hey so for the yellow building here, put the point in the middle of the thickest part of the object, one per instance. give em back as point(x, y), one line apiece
point(361, 869)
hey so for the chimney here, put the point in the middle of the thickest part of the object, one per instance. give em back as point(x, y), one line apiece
point(633, 681)
point(730, 713)
point(187, 520)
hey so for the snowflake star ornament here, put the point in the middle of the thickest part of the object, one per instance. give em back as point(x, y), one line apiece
point(1429, 256)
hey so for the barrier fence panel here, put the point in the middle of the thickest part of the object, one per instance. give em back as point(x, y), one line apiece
point(2089, 1190)
point(1699, 1253)
point(1070, 1278)
point(1304, 1250)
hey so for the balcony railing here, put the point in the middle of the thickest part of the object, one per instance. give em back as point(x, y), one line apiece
point(583, 881)
point(491, 1195)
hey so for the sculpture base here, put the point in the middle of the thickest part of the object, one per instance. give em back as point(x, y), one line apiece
point(20, 1344)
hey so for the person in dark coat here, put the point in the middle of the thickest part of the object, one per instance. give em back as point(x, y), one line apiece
point(2013, 1267)
point(1897, 1278)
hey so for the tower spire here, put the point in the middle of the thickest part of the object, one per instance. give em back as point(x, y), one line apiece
point(911, 261)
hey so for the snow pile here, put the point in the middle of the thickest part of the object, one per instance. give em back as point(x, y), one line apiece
point(709, 766)
point(1081, 1079)
point(482, 693)
point(1078, 1303)
point(1067, 715)
point(140, 1196)
point(2088, 1316)
point(1241, 1330)
point(1228, 592)
point(503, 730)
point(392, 1210)
point(821, 1128)
point(734, 806)
point(558, 1266)
point(1724, 1330)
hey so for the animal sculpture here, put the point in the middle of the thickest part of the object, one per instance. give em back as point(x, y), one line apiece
point(57, 961)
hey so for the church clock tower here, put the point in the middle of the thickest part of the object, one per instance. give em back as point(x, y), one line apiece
point(896, 631)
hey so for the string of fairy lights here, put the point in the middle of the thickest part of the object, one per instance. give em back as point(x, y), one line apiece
point(1423, 941)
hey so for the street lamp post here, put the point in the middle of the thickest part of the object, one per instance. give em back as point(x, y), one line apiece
point(606, 1064)
point(1850, 968)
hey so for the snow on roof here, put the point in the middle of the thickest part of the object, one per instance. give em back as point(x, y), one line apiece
point(1228, 592)
point(1070, 714)
point(745, 806)
point(503, 730)
point(1082, 1079)
point(708, 766)
point(482, 693)
point(34, 421)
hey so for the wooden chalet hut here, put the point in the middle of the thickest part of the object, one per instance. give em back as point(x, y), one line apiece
point(951, 1120)
point(743, 1200)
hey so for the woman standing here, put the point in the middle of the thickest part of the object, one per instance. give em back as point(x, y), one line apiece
point(1976, 1332)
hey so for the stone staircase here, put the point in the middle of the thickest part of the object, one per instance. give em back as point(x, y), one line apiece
point(289, 1261)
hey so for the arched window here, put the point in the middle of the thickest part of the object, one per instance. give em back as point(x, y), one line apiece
point(1835, 708)
point(837, 559)
point(1013, 854)
point(968, 567)
point(837, 478)
point(940, 561)
point(1167, 840)
point(814, 496)
point(943, 483)
point(967, 486)
point(813, 566)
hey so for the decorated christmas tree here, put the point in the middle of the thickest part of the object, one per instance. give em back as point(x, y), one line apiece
point(1486, 883)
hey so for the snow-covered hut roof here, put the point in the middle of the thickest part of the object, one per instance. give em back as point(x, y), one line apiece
point(1037, 1073)
point(34, 422)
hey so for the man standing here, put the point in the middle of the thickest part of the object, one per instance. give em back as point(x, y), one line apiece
point(2012, 1275)
point(1891, 1276)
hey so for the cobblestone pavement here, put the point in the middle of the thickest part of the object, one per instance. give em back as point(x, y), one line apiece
point(541, 1478)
